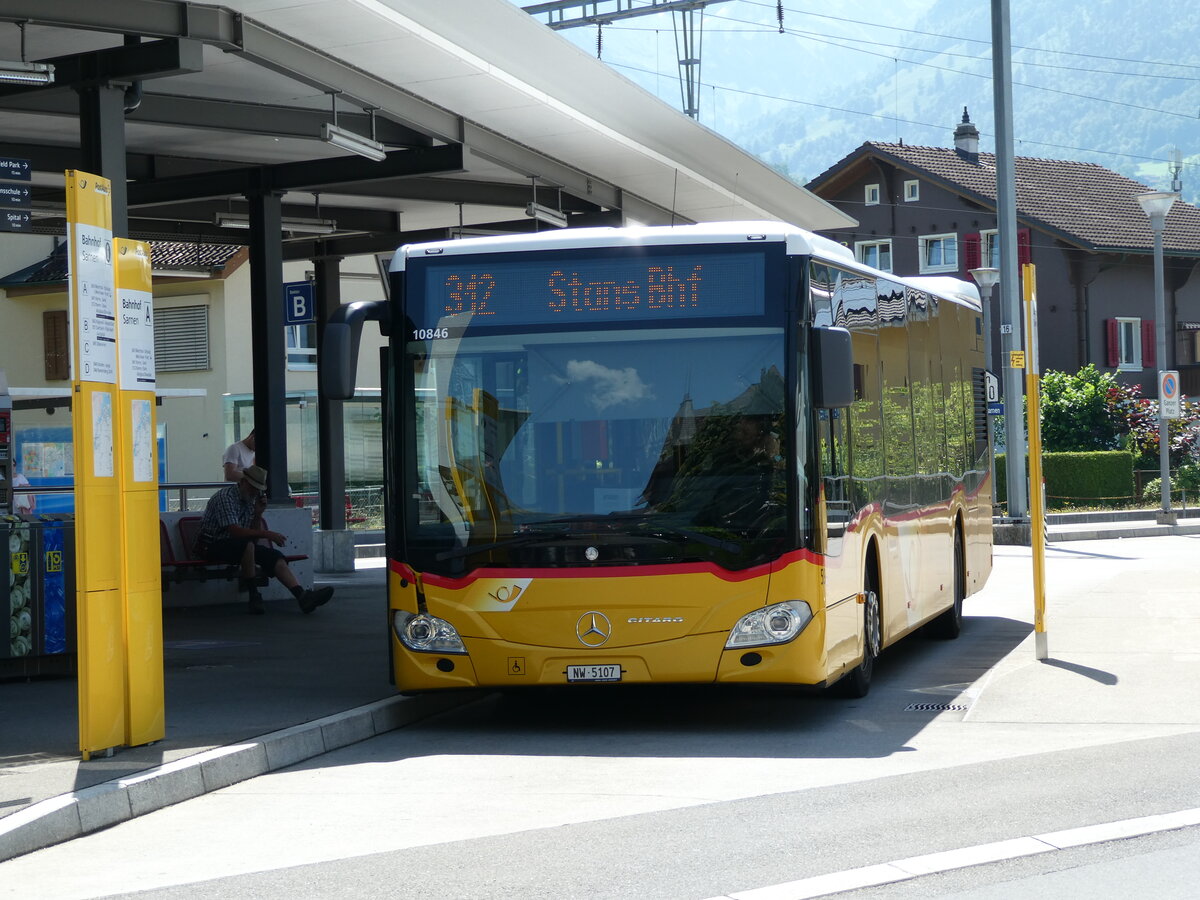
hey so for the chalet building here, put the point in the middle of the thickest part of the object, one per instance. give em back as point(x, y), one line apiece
point(932, 210)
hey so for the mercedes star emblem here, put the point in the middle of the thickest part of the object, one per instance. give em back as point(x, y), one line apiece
point(593, 629)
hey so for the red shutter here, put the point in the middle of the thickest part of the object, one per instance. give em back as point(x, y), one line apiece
point(1024, 247)
point(1114, 345)
point(1149, 345)
point(970, 246)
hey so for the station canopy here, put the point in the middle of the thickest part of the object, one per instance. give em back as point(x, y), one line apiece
point(481, 109)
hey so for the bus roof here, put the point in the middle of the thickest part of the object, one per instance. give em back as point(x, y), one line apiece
point(799, 243)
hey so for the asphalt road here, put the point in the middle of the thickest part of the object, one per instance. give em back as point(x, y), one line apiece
point(701, 793)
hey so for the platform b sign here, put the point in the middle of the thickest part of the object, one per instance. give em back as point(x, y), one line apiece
point(1168, 394)
point(298, 308)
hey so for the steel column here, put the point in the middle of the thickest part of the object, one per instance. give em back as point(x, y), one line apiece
point(102, 145)
point(1010, 297)
point(269, 360)
point(331, 441)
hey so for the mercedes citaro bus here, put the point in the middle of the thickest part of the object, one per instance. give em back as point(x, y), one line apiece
point(711, 453)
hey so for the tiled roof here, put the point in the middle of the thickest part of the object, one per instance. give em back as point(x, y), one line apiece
point(1083, 202)
point(166, 256)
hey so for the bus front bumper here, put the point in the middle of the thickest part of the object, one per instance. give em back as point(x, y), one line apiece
point(695, 659)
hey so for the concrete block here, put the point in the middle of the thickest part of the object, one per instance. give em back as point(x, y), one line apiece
point(102, 805)
point(292, 745)
point(157, 788)
point(388, 715)
point(248, 761)
point(350, 728)
point(49, 822)
point(333, 551)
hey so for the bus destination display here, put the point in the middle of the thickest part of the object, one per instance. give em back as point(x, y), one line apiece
point(546, 292)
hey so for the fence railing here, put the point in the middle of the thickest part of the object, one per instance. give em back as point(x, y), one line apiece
point(364, 505)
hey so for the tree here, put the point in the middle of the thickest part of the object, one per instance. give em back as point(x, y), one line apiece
point(1080, 412)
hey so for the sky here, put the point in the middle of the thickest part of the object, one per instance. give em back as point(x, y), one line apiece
point(1096, 80)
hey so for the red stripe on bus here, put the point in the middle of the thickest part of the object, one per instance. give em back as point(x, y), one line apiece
point(404, 571)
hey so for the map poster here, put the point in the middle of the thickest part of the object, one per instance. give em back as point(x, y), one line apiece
point(135, 315)
point(92, 307)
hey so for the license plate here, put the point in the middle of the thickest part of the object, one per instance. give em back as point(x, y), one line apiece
point(594, 672)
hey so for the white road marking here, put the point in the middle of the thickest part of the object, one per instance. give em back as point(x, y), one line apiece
point(981, 854)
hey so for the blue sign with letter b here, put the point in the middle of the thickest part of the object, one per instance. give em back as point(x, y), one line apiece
point(298, 306)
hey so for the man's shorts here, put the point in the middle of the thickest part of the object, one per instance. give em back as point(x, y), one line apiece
point(230, 550)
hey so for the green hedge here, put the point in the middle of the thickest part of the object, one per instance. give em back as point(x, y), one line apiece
point(1104, 476)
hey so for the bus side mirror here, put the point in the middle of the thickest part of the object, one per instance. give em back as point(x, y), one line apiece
point(338, 361)
point(832, 367)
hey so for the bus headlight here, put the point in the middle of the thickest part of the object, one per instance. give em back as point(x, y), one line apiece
point(425, 633)
point(775, 624)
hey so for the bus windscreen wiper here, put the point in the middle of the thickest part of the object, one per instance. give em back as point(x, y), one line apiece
point(519, 539)
point(672, 533)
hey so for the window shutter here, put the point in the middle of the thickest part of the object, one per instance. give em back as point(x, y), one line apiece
point(1114, 343)
point(54, 337)
point(1024, 247)
point(971, 251)
point(1149, 345)
point(181, 339)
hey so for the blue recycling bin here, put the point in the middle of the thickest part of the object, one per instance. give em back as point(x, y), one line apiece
point(37, 596)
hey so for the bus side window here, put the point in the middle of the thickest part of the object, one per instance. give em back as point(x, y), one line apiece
point(834, 476)
point(820, 284)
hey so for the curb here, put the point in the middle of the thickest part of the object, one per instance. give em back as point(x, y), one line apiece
point(1018, 534)
point(73, 815)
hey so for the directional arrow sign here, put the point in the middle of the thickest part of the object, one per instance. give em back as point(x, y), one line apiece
point(15, 195)
point(16, 220)
point(14, 169)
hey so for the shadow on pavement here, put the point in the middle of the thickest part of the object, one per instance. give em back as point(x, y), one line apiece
point(228, 677)
point(915, 681)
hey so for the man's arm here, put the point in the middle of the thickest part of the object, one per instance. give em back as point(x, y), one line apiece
point(232, 472)
point(257, 534)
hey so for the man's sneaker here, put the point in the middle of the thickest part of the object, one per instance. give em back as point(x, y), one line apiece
point(255, 604)
point(310, 600)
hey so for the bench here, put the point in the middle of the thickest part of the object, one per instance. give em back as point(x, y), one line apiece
point(195, 581)
point(178, 569)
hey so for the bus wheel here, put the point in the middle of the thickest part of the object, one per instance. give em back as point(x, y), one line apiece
point(856, 684)
point(948, 625)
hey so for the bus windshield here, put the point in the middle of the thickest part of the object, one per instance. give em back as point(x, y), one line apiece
point(605, 447)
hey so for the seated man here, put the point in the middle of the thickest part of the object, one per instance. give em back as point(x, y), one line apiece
point(231, 529)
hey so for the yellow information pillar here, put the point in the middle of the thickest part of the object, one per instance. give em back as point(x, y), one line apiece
point(1037, 497)
point(97, 504)
point(138, 474)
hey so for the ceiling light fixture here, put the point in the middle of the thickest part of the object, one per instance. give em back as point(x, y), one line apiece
point(334, 134)
point(182, 273)
point(546, 214)
point(26, 73)
point(355, 143)
point(299, 226)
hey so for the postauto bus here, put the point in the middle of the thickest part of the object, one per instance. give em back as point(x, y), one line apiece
point(709, 453)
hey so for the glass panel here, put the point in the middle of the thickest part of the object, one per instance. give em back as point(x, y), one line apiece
point(663, 429)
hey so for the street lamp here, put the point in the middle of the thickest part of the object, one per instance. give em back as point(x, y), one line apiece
point(986, 278)
point(1155, 204)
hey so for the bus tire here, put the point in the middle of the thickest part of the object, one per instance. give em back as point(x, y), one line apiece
point(948, 625)
point(857, 682)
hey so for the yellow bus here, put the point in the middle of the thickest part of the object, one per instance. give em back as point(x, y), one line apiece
point(709, 453)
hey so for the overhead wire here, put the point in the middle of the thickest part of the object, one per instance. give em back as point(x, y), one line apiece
point(835, 41)
point(953, 37)
point(885, 117)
